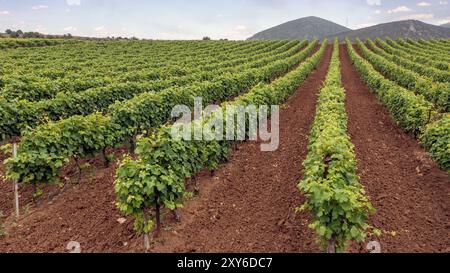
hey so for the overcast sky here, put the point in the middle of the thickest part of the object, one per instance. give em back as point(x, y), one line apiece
point(193, 19)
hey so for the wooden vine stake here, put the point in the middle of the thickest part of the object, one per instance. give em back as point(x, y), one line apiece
point(157, 230)
point(331, 246)
point(146, 236)
point(16, 186)
point(331, 249)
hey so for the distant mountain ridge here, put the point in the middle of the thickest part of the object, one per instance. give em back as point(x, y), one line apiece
point(446, 25)
point(314, 27)
point(308, 27)
point(402, 29)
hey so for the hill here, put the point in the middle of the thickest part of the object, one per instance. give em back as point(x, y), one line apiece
point(308, 27)
point(402, 29)
point(446, 25)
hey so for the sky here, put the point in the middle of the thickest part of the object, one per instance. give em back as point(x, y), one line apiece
point(194, 19)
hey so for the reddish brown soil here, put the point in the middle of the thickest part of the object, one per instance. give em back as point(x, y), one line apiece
point(249, 206)
point(411, 194)
point(25, 193)
point(49, 191)
point(261, 187)
point(83, 212)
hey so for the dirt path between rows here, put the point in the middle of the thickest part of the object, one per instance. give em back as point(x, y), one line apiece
point(411, 194)
point(84, 213)
point(48, 191)
point(249, 206)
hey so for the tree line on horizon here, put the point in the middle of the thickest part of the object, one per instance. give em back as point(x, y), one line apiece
point(33, 34)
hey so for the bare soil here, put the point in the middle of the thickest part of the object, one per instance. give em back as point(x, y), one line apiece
point(249, 204)
point(411, 194)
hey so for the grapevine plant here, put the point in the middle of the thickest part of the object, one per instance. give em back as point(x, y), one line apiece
point(163, 163)
point(334, 194)
point(435, 92)
point(24, 114)
point(411, 111)
point(44, 150)
point(436, 140)
point(419, 55)
point(430, 72)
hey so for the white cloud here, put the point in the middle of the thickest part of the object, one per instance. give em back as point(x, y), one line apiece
point(4, 12)
point(41, 29)
point(238, 32)
point(399, 9)
point(424, 4)
point(444, 21)
point(70, 28)
point(19, 25)
point(39, 7)
point(99, 29)
point(73, 2)
point(374, 2)
point(417, 16)
point(102, 31)
point(443, 3)
point(365, 25)
point(378, 11)
point(240, 28)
